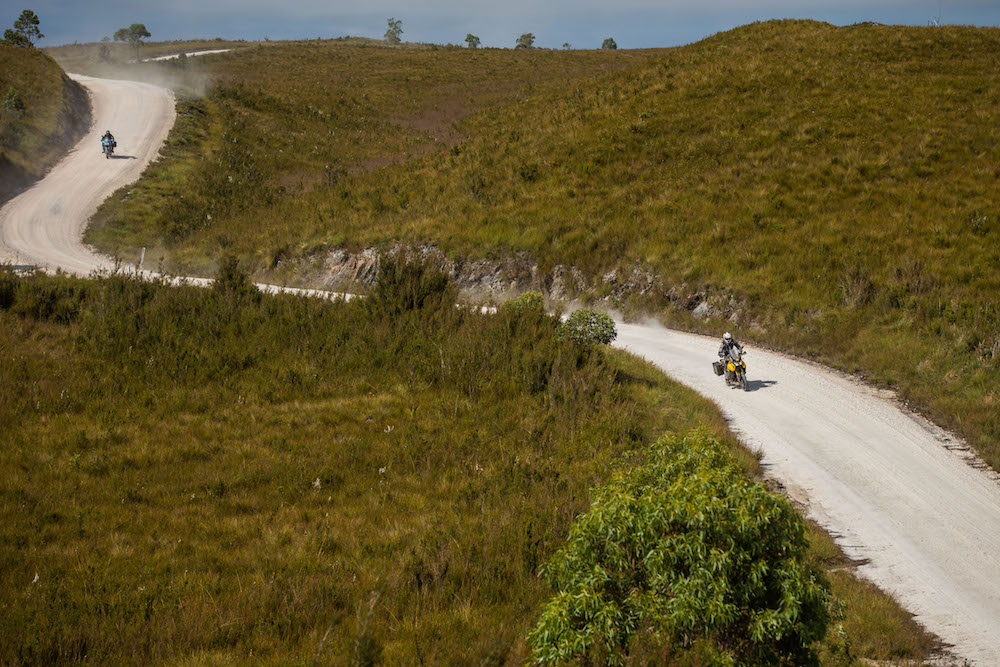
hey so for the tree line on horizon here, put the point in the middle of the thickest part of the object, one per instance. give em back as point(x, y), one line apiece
point(26, 32)
point(394, 32)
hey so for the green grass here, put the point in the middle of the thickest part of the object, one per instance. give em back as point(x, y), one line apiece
point(210, 476)
point(866, 623)
point(286, 120)
point(829, 191)
point(54, 113)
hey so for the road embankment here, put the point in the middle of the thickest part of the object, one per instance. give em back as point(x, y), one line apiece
point(44, 113)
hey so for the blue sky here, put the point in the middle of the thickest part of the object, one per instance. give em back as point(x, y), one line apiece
point(582, 23)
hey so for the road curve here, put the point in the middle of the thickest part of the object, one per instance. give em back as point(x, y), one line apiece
point(900, 493)
point(44, 225)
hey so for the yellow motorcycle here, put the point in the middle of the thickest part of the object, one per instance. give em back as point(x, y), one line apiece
point(734, 369)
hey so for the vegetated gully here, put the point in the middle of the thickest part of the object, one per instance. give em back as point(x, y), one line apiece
point(903, 496)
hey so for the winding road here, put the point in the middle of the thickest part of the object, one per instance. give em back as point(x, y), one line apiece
point(903, 496)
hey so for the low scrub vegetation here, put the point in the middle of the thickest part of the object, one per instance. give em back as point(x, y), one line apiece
point(829, 191)
point(224, 476)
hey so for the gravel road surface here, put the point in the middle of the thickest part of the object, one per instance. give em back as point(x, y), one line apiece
point(899, 493)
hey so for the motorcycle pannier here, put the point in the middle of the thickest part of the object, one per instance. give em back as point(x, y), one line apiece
point(717, 367)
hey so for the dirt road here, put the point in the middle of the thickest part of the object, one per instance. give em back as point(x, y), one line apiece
point(190, 54)
point(44, 225)
point(899, 492)
point(892, 486)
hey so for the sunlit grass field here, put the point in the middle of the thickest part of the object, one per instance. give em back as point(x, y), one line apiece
point(221, 477)
point(828, 191)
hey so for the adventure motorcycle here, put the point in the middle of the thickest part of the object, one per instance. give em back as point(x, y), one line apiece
point(734, 369)
point(108, 146)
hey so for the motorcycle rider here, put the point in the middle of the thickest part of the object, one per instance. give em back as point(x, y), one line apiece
point(728, 343)
point(110, 138)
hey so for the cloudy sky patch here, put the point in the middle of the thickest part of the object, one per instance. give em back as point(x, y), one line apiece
point(582, 23)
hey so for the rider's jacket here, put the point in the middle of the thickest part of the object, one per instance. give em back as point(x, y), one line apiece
point(726, 346)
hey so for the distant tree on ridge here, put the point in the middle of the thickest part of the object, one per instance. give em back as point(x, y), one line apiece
point(394, 30)
point(609, 43)
point(525, 41)
point(134, 34)
point(472, 41)
point(25, 32)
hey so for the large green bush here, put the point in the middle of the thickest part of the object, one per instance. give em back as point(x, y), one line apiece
point(587, 327)
point(684, 553)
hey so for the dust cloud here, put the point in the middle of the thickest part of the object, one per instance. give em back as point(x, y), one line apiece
point(185, 76)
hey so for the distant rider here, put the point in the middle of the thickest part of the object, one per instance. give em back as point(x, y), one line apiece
point(728, 343)
point(110, 138)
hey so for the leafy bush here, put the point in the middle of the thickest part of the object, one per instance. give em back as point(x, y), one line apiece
point(588, 327)
point(529, 301)
point(13, 105)
point(684, 553)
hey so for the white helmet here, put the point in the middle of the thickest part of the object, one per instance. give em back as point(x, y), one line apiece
point(727, 336)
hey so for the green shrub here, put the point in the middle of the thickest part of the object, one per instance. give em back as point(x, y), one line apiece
point(404, 285)
point(684, 553)
point(588, 327)
point(59, 300)
point(12, 102)
point(234, 281)
point(529, 301)
point(8, 289)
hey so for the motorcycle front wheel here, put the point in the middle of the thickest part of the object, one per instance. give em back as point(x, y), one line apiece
point(744, 383)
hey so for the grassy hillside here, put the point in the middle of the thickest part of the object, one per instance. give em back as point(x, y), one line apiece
point(829, 191)
point(292, 118)
point(206, 476)
point(42, 114)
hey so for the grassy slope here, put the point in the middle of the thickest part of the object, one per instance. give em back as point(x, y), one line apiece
point(308, 116)
point(56, 113)
point(201, 477)
point(831, 191)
